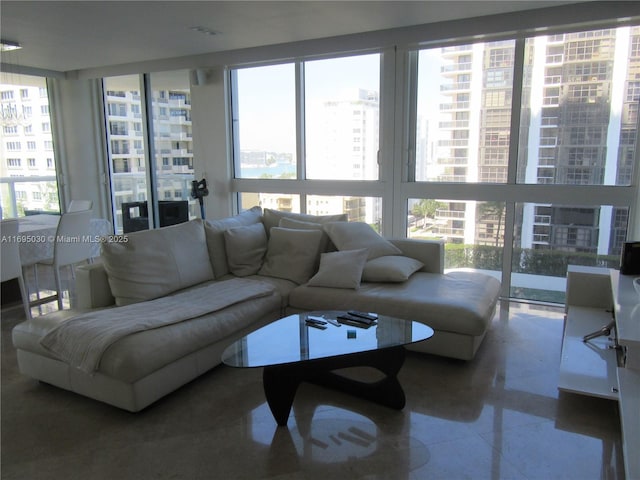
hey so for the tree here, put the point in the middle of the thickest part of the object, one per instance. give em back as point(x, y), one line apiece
point(426, 208)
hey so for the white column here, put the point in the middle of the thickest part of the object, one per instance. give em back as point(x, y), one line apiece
point(618, 81)
point(536, 99)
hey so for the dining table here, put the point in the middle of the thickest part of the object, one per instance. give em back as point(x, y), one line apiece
point(37, 234)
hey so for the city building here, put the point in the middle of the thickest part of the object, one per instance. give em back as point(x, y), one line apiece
point(26, 149)
point(579, 116)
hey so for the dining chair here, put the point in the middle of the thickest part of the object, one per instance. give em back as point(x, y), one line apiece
point(78, 205)
point(72, 245)
point(11, 266)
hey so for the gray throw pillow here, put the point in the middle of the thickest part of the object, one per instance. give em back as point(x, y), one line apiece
point(356, 235)
point(341, 269)
point(326, 245)
point(245, 247)
point(271, 218)
point(292, 254)
point(214, 231)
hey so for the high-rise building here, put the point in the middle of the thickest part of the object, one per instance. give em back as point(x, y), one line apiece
point(171, 131)
point(580, 109)
point(26, 148)
point(578, 127)
point(342, 137)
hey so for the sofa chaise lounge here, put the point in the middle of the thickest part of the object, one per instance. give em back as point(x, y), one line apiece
point(208, 283)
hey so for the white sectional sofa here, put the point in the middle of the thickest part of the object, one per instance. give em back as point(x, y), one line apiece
point(228, 277)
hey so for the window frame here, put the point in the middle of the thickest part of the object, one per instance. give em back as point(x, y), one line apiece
point(396, 183)
point(301, 186)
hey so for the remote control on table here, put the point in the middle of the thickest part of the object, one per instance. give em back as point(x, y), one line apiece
point(368, 315)
point(315, 320)
point(317, 325)
point(355, 321)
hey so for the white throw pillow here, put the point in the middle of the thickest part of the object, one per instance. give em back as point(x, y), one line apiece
point(292, 254)
point(214, 231)
point(271, 218)
point(356, 235)
point(154, 263)
point(390, 268)
point(245, 247)
point(341, 269)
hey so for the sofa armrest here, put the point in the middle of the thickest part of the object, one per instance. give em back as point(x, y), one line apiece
point(429, 252)
point(92, 287)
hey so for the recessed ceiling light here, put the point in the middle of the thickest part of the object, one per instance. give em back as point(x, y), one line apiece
point(204, 30)
point(8, 45)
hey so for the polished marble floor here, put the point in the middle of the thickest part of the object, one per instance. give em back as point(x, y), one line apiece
point(498, 416)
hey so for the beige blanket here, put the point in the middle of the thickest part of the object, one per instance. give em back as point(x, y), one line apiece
point(81, 340)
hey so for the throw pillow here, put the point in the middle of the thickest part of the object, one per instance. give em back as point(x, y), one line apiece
point(341, 269)
point(214, 231)
point(154, 263)
point(271, 218)
point(325, 244)
point(356, 235)
point(292, 254)
point(245, 247)
point(390, 268)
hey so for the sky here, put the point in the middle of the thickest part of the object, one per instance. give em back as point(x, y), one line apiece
point(267, 96)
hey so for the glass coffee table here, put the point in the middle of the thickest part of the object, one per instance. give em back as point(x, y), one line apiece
point(291, 352)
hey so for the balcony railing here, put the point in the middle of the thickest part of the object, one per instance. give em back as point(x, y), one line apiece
point(456, 67)
point(14, 207)
point(128, 186)
point(440, 213)
point(542, 219)
point(452, 161)
point(454, 124)
point(454, 106)
point(455, 86)
point(454, 142)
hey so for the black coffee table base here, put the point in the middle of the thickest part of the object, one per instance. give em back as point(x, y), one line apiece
point(281, 381)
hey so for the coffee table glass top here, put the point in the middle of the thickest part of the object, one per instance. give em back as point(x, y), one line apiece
point(290, 340)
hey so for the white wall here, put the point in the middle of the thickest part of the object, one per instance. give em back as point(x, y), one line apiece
point(211, 148)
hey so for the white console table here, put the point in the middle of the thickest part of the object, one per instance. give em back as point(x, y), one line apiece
point(606, 366)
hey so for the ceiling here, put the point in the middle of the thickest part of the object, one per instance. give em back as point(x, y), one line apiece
point(75, 35)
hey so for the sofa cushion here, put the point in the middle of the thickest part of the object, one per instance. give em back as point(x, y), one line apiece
point(356, 235)
point(271, 218)
point(153, 263)
point(245, 247)
point(292, 254)
point(214, 231)
point(459, 302)
point(340, 269)
point(390, 268)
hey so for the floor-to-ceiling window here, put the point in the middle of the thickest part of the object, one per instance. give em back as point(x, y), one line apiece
point(315, 121)
point(27, 161)
point(518, 153)
point(576, 126)
point(126, 129)
point(150, 147)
